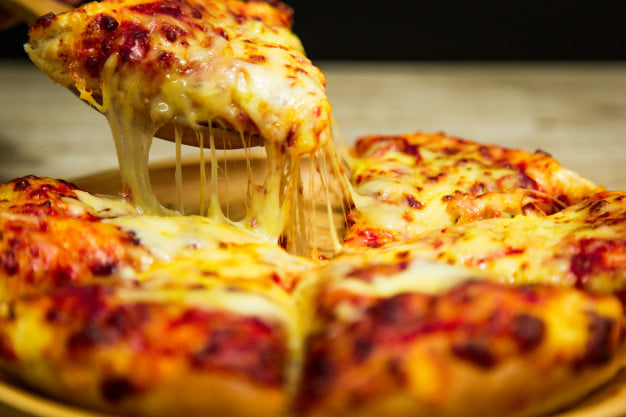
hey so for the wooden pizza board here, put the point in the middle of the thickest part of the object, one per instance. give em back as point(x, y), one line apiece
point(17, 400)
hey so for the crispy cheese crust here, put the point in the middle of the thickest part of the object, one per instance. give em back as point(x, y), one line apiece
point(410, 184)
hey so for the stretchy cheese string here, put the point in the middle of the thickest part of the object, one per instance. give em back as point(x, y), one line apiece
point(275, 209)
point(178, 174)
point(200, 138)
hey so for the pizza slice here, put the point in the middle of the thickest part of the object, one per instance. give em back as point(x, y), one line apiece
point(396, 335)
point(227, 62)
point(52, 234)
point(408, 184)
point(193, 68)
point(581, 246)
point(210, 308)
point(150, 353)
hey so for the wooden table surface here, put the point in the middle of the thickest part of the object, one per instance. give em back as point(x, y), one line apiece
point(576, 112)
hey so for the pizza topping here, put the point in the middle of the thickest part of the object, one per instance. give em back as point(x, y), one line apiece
point(362, 348)
point(571, 247)
point(108, 326)
point(250, 346)
point(9, 262)
point(597, 256)
point(7, 353)
point(44, 21)
point(159, 7)
point(392, 276)
point(474, 352)
point(100, 268)
point(36, 252)
point(474, 182)
point(370, 272)
point(528, 330)
point(487, 325)
point(116, 389)
point(600, 344)
point(370, 238)
point(21, 185)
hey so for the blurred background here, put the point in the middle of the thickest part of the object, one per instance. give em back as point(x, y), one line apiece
point(524, 74)
point(448, 30)
point(468, 30)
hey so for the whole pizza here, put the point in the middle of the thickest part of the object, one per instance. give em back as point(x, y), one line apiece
point(459, 279)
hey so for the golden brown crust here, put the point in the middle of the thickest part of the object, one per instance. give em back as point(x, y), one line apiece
point(480, 348)
point(92, 346)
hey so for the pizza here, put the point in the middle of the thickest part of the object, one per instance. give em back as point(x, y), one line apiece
point(116, 310)
point(224, 62)
point(396, 335)
point(409, 184)
point(461, 279)
point(581, 246)
point(195, 68)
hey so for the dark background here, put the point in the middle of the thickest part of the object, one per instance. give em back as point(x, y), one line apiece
point(447, 30)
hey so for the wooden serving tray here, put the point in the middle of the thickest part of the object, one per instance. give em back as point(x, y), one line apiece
point(19, 401)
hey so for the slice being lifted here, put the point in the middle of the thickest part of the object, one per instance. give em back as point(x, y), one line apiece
point(228, 62)
point(233, 64)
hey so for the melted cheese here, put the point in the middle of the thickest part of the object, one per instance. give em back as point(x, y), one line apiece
point(101, 206)
point(227, 63)
point(210, 264)
point(411, 184)
point(416, 275)
point(419, 276)
point(166, 237)
point(531, 249)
